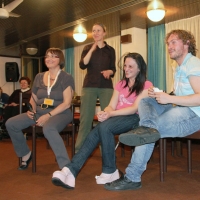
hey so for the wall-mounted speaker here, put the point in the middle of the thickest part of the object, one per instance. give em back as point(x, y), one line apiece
point(11, 72)
point(126, 39)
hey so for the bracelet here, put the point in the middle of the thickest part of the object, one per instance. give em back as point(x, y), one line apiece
point(50, 114)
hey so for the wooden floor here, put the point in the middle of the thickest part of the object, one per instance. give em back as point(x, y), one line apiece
point(21, 185)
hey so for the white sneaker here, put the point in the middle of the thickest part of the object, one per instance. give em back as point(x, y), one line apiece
point(107, 178)
point(64, 178)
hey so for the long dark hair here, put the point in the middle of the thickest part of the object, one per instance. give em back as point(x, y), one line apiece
point(140, 78)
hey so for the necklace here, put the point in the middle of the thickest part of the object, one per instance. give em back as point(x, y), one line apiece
point(130, 88)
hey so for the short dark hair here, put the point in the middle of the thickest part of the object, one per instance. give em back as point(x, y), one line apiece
point(141, 77)
point(58, 52)
point(26, 79)
point(185, 36)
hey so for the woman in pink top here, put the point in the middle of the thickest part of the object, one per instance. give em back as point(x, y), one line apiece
point(118, 117)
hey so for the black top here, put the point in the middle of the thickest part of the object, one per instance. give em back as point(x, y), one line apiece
point(15, 96)
point(101, 59)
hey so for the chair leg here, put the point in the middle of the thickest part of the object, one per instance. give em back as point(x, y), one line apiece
point(33, 149)
point(161, 160)
point(122, 150)
point(179, 147)
point(189, 157)
point(172, 147)
point(73, 140)
point(165, 154)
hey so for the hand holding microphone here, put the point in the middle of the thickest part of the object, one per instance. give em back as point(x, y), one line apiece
point(31, 110)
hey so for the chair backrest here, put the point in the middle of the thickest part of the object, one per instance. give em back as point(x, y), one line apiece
point(76, 99)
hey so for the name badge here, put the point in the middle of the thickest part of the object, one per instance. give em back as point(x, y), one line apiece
point(48, 102)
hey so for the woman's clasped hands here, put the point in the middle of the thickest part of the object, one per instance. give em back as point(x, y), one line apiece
point(102, 116)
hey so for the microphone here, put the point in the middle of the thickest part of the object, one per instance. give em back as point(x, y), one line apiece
point(31, 110)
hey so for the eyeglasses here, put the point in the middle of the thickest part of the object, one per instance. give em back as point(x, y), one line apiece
point(51, 56)
point(23, 82)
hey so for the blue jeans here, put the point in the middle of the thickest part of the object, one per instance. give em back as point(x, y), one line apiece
point(170, 121)
point(103, 133)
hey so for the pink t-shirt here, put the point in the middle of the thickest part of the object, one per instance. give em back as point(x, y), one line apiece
point(125, 100)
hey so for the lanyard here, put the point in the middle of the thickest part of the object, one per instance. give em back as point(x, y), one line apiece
point(50, 87)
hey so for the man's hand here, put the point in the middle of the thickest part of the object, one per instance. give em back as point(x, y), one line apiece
point(162, 97)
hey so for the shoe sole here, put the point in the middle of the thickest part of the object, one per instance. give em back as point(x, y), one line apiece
point(58, 182)
point(117, 190)
point(132, 139)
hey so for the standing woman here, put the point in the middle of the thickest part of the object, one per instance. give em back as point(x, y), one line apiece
point(99, 60)
point(51, 98)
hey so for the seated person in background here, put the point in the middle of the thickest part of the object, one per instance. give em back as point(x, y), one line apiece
point(3, 101)
point(120, 115)
point(3, 97)
point(12, 107)
point(52, 93)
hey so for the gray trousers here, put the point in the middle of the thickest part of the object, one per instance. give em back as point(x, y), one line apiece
point(51, 130)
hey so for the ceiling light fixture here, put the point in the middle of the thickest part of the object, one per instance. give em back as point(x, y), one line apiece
point(156, 15)
point(156, 11)
point(31, 49)
point(80, 34)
